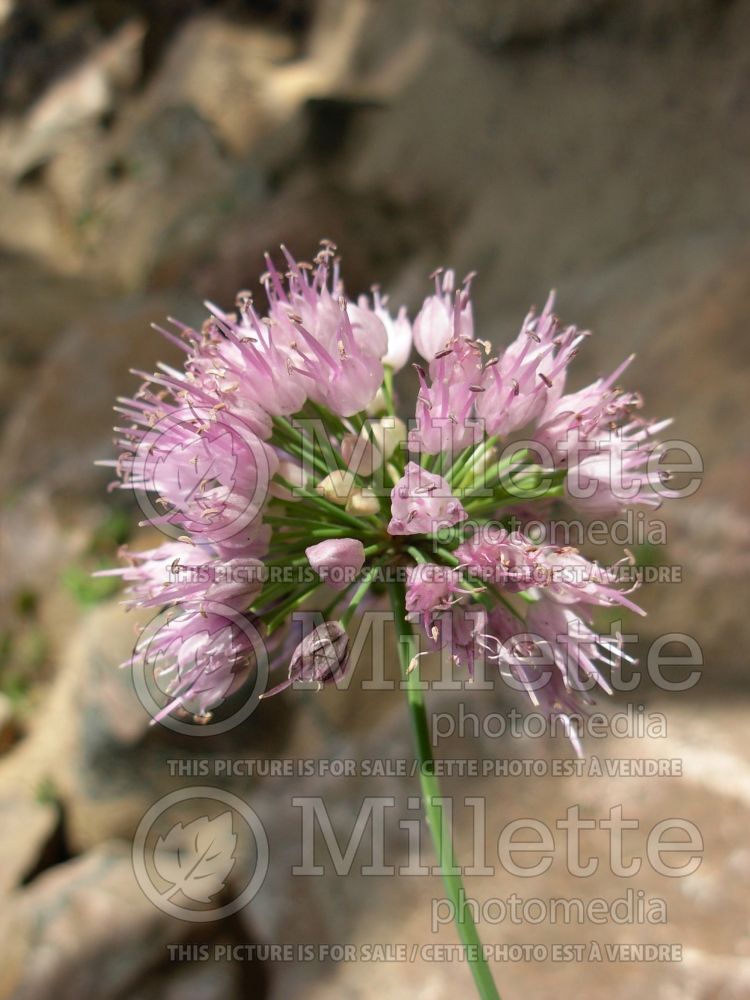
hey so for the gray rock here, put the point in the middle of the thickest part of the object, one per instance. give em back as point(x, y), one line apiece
point(80, 97)
point(57, 940)
point(27, 827)
point(35, 443)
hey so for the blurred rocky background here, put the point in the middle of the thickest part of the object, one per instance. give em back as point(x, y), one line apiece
point(149, 153)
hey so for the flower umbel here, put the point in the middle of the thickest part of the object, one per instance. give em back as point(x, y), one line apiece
point(277, 463)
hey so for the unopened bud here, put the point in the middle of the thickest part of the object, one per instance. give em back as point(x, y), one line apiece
point(362, 502)
point(360, 454)
point(336, 487)
point(388, 433)
point(337, 561)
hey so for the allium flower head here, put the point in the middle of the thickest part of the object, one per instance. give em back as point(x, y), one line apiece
point(277, 446)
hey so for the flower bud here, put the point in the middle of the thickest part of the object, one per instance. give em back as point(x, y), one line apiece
point(336, 487)
point(388, 433)
point(362, 502)
point(360, 454)
point(337, 561)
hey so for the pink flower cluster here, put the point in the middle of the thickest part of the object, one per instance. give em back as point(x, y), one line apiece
point(212, 452)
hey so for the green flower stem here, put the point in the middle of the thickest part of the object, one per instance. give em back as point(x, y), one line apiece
point(499, 488)
point(358, 597)
point(281, 613)
point(331, 508)
point(274, 591)
point(453, 475)
point(321, 506)
point(357, 420)
point(480, 508)
point(303, 537)
point(329, 419)
point(444, 464)
point(297, 444)
point(307, 524)
point(447, 556)
point(477, 463)
point(388, 390)
point(441, 836)
point(291, 601)
point(498, 471)
point(328, 610)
